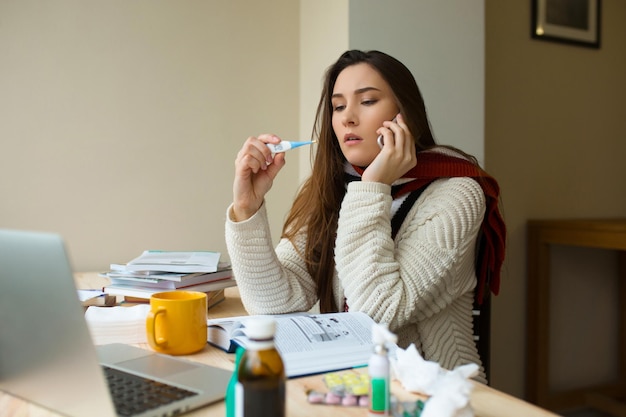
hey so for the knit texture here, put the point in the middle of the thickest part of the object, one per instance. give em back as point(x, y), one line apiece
point(421, 283)
point(445, 163)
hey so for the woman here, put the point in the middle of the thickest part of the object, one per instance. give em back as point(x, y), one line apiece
point(391, 230)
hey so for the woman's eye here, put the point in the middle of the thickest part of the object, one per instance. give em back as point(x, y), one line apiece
point(369, 102)
point(338, 107)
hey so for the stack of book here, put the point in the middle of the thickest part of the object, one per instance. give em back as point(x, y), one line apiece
point(158, 271)
point(96, 298)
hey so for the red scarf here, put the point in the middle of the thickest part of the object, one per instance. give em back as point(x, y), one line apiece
point(434, 165)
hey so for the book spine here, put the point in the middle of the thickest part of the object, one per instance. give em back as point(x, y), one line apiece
point(213, 299)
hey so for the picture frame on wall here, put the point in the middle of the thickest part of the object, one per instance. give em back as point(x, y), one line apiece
point(575, 22)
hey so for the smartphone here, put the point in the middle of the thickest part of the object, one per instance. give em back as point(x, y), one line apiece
point(380, 139)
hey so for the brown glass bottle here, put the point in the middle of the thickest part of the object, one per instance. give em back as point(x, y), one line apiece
point(260, 389)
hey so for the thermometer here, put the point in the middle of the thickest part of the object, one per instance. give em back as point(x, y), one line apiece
point(286, 145)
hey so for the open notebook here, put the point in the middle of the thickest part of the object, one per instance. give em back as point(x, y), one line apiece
point(48, 358)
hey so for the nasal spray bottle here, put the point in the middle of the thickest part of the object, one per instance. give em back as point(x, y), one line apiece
point(379, 370)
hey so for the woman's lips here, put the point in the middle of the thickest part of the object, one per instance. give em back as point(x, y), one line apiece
point(351, 139)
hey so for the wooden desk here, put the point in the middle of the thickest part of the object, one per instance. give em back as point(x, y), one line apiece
point(604, 234)
point(486, 401)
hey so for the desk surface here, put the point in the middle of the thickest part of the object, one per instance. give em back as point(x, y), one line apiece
point(486, 401)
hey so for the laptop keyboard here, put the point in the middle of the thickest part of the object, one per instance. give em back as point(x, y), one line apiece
point(133, 394)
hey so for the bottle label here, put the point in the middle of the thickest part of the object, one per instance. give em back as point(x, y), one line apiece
point(379, 396)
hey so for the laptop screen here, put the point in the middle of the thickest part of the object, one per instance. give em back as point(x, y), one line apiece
point(46, 354)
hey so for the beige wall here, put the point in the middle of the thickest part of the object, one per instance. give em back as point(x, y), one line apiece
point(556, 141)
point(323, 37)
point(120, 121)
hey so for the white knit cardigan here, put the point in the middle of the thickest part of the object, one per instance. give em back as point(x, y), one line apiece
point(421, 284)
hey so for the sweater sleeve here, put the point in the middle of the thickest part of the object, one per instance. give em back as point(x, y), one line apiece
point(270, 281)
point(431, 261)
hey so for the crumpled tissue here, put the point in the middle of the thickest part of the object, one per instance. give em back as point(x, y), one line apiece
point(117, 324)
point(449, 391)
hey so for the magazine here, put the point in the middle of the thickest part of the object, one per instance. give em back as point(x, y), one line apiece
point(308, 343)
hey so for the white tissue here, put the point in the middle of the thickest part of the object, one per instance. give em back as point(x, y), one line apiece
point(117, 324)
point(449, 391)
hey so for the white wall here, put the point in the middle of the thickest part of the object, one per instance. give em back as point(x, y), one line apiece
point(120, 121)
point(443, 44)
point(447, 60)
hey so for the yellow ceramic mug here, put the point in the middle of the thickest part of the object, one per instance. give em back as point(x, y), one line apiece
point(176, 322)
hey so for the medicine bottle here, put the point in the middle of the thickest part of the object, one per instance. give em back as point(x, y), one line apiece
point(260, 389)
point(379, 371)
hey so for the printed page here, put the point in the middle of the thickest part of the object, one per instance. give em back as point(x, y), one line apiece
point(322, 332)
point(326, 342)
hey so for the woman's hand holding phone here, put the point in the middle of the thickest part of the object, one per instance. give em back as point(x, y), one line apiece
point(381, 138)
point(397, 154)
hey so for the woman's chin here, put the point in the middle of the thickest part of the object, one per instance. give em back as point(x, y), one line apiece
point(359, 161)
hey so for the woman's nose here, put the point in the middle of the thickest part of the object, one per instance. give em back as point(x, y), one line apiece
point(350, 118)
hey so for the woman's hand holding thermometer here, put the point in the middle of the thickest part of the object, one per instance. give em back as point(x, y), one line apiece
point(255, 170)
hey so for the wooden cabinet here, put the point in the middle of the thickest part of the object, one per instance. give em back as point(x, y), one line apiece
point(607, 234)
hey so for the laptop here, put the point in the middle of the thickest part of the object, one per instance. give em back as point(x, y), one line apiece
point(46, 353)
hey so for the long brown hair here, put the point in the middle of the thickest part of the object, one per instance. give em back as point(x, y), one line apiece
point(315, 210)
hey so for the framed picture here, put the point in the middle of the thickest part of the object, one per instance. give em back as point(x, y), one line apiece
point(570, 21)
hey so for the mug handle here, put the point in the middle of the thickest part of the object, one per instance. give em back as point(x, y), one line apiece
point(151, 325)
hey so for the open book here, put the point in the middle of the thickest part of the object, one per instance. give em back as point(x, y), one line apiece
point(308, 343)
